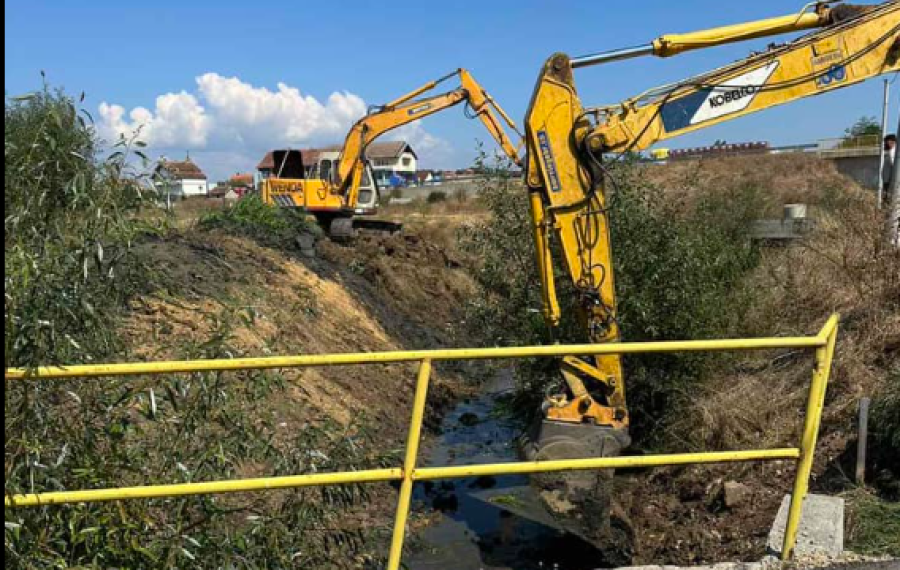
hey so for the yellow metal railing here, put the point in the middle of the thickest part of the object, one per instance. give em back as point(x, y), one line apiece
point(409, 473)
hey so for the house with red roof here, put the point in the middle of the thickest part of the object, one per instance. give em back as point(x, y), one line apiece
point(180, 178)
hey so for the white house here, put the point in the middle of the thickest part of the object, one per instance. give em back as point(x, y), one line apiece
point(393, 161)
point(180, 179)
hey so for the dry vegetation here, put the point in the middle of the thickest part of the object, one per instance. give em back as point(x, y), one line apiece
point(757, 400)
point(672, 227)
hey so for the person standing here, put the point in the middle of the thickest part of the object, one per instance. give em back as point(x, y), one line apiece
point(891, 197)
point(887, 170)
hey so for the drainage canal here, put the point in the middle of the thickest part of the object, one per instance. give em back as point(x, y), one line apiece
point(472, 521)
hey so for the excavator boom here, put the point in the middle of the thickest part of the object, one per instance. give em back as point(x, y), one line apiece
point(567, 145)
point(407, 109)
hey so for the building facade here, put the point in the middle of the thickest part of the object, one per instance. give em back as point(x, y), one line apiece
point(394, 163)
point(180, 179)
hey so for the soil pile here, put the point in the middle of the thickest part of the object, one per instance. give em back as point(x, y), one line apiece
point(400, 294)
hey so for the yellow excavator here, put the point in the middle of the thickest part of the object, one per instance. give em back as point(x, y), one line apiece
point(568, 150)
point(336, 186)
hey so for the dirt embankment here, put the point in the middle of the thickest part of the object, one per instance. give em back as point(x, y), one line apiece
point(399, 294)
point(757, 401)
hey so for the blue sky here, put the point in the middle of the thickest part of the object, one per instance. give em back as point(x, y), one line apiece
point(207, 74)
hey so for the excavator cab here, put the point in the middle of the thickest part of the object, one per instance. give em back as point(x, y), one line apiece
point(368, 197)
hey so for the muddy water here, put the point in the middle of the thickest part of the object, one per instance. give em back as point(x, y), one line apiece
point(472, 530)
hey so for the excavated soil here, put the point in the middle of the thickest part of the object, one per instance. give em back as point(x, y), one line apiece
point(401, 294)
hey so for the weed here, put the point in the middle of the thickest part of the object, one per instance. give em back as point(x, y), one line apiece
point(874, 525)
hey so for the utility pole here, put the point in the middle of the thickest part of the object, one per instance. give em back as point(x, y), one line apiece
point(884, 123)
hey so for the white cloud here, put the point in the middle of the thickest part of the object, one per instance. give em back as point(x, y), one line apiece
point(249, 114)
point(228, 117)
point(179, 119)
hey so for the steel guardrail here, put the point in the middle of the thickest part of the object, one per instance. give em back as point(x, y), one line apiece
point(408, 473)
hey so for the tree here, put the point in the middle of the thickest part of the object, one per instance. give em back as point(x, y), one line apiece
point(864, 126)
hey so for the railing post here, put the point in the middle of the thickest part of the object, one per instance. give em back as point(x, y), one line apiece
point(409, 465)
point(814, 406)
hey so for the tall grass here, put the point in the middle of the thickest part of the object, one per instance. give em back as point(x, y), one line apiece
point(71, 207)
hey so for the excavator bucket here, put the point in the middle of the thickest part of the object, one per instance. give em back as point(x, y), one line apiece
point(580, 502)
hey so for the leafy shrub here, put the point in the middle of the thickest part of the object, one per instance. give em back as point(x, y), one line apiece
point(268, 224)
point(436, 196)
point(676, 277)
point(508, 310)
point(68, 226)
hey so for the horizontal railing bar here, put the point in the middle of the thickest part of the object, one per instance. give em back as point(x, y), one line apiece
point(460, 471)
point(272, 362)
point(379, 475)
point(203, 488)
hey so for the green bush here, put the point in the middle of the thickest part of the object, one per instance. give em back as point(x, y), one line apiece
point(677, 274)
point(268, 224)
point(68, 227)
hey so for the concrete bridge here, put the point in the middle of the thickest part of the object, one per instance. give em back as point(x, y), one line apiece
point(857, 158)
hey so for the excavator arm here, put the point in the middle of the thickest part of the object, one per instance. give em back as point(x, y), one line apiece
point(407, 109)
point(857, 43)
point(566, 145)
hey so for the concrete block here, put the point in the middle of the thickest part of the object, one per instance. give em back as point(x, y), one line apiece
point(821, 529)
